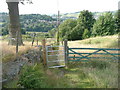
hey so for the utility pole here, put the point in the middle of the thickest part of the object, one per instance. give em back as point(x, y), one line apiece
point(58, 23)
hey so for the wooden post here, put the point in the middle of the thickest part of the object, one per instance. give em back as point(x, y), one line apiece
point(37, 42)
point(17, 37)
point(33, 38)
point(37, 39)
point(66, 52)
point(44, 51)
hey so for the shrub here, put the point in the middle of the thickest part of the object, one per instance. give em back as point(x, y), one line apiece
point(32, 77)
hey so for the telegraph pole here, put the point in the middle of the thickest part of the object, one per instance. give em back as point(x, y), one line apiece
point(58, 23)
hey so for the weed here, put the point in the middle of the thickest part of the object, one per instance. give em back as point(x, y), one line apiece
point(33, 77)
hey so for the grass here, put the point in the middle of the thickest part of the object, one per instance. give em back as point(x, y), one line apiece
point(96, 42)
point(104, 73)
point(78, 75)
point(37, 77)
point(9, 52)
point(70, 78)
point(92, 74)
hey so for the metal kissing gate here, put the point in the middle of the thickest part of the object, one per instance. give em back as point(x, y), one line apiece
point(55, 56)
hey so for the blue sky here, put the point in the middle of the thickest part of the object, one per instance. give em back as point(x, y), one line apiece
point(65, 6)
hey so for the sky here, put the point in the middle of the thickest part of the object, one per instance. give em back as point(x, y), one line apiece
point(64, 6)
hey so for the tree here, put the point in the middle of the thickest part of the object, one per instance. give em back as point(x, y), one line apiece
point(104, 25)
point(23, 31)
point(84, 22)
point(14, 27)
point(117, 21)
point(86, 19)
point(86, 34)
point(66, 27)
point(76, 33)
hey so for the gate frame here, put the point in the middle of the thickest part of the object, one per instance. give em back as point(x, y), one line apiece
point(92, 53)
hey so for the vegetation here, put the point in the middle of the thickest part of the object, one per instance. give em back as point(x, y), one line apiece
point(37, 22)
point(74, 29)
point(31, 23)
point(87, 26)
point(96, 42)
point(93, 74)
point(117, 21)
point(104, 73)
point(37, 77)
point(33, 77)
point(66, 27)
point(9, 52)
point(105, 25)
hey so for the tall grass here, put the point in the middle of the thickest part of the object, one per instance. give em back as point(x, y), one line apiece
point(9, 52)
point(96, 42)
point(103, 72)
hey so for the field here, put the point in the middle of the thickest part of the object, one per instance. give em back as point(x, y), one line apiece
point(93, 74)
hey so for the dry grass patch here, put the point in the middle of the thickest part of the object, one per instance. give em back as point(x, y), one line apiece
point(8, 52)
point(96, 42)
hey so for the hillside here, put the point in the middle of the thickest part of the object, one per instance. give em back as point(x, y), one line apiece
point(30, 22)
point(76, 14)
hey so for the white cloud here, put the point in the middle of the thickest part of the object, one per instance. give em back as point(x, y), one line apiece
point(65, 6)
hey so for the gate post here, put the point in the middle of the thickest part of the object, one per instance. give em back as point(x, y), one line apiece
point(66, 51)
point(44, 51)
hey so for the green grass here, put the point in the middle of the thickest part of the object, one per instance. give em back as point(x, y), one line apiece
point(54, 78)
point(38, 77)
point(94, 74)
point(104, 73)
point(105, 76)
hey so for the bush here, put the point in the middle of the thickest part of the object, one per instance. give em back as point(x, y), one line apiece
point(32, 77)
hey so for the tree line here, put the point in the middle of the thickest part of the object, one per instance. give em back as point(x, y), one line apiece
point(87, 26)
point(31, 22)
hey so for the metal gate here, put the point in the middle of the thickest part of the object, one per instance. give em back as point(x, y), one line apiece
point(97, 53)
point(55, 56)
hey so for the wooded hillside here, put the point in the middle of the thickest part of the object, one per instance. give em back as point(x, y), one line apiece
point(30, 22)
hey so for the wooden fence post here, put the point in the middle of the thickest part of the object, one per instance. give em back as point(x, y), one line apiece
point(17, 35)
point(34, 35)
point(44, 51)
point(66, 52)
point(37, 42)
